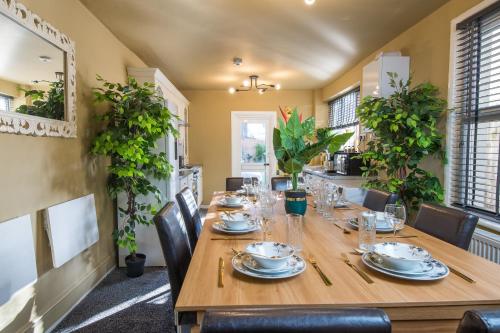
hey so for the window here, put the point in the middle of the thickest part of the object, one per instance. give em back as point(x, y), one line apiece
point(343, 110)
point(342, 116)
point(5, 103)
point(475, 153)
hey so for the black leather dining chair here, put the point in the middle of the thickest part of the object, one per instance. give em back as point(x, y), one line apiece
point(451, 225)
point(280, 183)
point(235, 183)
point(190, 213)
point(175, 245)
point(480, 321)
point(376, 200)
point(296, 321)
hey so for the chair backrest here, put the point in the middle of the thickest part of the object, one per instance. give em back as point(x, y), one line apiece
point(190, 214)
point(376, 200)
point(451, 225)
point(235, 183)
point(480, 321)
point(280, 183)
point(296, 321)
point(175, 245)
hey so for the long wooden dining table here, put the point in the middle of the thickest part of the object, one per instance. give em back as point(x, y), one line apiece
point(412, 306)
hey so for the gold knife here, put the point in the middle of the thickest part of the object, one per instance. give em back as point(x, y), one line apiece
point(398, 236)
point(325, 278)
point(356, 269)
point(221, 273)
point(462, 275)
point(233, 238)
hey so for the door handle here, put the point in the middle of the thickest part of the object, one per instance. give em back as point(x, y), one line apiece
point(266, 164)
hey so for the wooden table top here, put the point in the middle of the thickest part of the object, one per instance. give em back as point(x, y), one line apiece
point(326, 242)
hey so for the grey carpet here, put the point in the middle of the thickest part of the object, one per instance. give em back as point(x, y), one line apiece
point(121, 304)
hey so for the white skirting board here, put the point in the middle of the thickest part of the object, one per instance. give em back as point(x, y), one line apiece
point(72, 228)
point(17, 257)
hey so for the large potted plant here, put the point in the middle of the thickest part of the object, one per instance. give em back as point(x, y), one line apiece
point(295, 143)
point(135, 121)
point(405, 132)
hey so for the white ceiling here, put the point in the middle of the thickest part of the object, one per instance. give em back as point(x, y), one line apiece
point(20, 51)
point(302, 47)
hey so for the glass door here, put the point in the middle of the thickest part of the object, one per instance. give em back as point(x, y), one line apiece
point(252, 148)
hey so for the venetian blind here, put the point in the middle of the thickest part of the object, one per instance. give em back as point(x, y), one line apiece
point(343, 110)
point(475, 151)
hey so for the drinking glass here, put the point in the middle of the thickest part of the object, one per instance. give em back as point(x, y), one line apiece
point(247, 183)
point(295, 231)
point(395, 215)
point(330, 197)
point(367, 230)
point(266, 214)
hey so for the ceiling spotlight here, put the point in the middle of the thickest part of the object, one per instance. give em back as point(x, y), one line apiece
point(232, 90)
point(45, 59)
point(246, 83)
point(309, 2)
point(277, 86)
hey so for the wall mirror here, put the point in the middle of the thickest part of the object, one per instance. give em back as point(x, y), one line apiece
point(37, 75)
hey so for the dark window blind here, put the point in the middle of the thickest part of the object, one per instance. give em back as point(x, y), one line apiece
point(343, 110)
point(475, 151)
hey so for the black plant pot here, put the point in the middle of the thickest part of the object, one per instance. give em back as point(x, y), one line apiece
point(295, 202)
point(135, 264)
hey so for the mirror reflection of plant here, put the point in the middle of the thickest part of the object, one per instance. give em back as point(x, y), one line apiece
point(46, 104)
point(405, 132)
point(297, 142)
point(136, 120)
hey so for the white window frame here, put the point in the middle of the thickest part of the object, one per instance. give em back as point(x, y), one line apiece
point(451, 105)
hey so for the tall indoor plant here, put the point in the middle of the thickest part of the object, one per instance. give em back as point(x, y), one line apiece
point(295, 143)
point(135, 121)
point(405, 132)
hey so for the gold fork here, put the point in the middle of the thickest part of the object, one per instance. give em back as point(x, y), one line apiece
point(344, 230)
point(356, 269)
point(325, 278)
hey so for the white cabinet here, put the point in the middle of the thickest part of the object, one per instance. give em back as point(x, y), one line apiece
point(375, 81)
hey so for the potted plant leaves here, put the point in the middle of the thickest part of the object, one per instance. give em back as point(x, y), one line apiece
point(135, 121)
point(296, 143)
point(405, 128)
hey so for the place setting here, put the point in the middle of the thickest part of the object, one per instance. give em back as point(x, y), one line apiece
point(236, 223)
point(268, 260)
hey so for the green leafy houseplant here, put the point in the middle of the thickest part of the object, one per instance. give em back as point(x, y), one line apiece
point(137, 118)
point(405, 130)
point(48, 104)
point(297, 142)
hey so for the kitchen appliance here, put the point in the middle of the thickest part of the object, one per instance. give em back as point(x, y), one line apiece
point(328, 165)
point(345, 164)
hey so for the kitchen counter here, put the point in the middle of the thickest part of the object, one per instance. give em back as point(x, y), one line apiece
point(318, 171)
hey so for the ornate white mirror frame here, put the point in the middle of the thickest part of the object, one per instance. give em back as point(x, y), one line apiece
point(13, 122)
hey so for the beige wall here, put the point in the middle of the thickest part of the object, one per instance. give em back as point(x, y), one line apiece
point(36, 173)
point(427, 44)
point(210, 126)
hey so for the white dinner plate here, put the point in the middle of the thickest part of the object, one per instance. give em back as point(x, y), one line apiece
point(221, 227)
point(380, 229)
point(423, 267)
point(299, 268)
point(438, 272)
point(251, 264)
point(223, 203)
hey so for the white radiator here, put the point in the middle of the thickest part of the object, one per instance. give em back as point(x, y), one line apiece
point(486, 245)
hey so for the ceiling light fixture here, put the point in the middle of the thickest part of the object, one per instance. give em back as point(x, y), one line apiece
point(254, 84)
point(44, 59)
point(309, 2)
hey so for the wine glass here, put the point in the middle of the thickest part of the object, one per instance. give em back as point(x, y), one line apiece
point(396, 215)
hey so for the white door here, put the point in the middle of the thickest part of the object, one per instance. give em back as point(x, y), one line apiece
point(252, 144)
